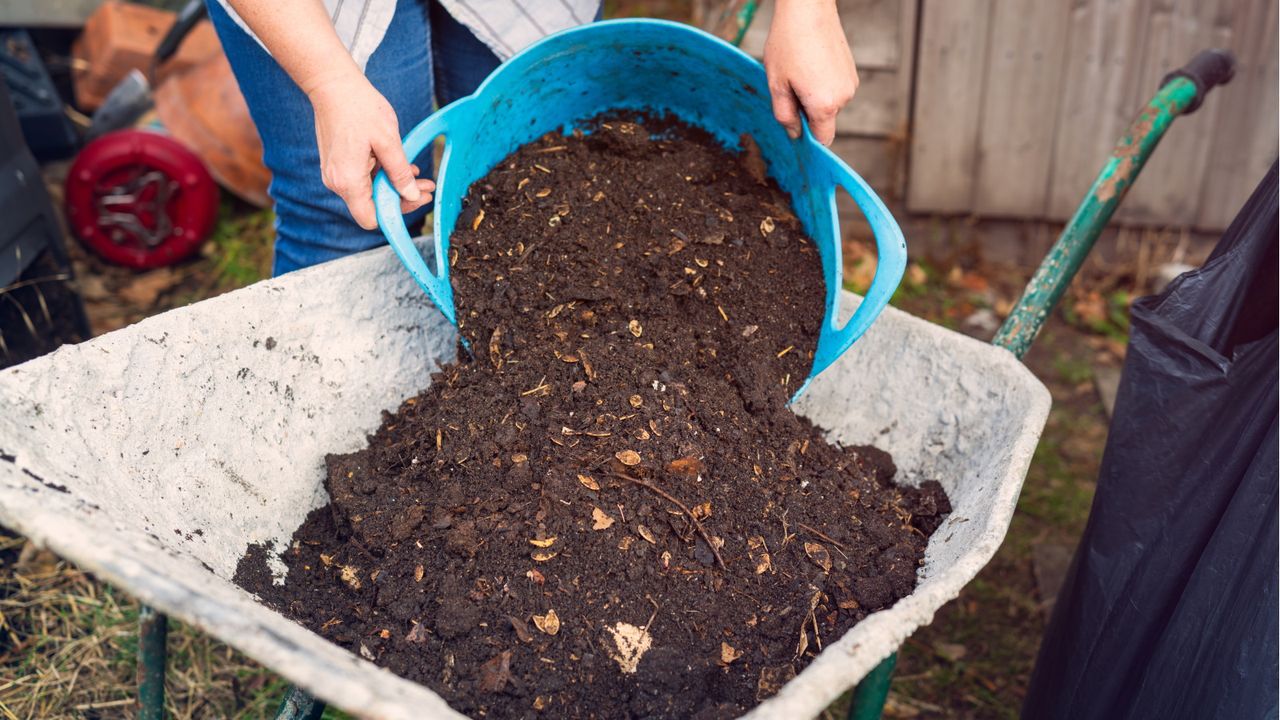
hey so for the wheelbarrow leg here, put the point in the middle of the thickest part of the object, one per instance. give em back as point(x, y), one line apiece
point(870, 694)
point(299, 705)
point(153, 654)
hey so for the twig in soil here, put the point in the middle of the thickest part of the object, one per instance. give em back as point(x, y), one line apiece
point(649, 622)
point(824, 536)
point(664, 494)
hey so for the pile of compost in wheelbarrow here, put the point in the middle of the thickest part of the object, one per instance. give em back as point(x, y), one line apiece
point(610, 511)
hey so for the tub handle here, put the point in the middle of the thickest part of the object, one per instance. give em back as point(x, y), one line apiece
point(892, 262)
point(387, 203)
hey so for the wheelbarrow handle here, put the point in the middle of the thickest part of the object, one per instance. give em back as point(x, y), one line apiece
point(387, 204)
point(1208, 69)
point(891, 249)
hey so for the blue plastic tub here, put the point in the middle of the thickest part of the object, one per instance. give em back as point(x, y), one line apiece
point(656, 66)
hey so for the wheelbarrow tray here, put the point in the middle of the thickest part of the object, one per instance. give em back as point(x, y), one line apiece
point(154, 455)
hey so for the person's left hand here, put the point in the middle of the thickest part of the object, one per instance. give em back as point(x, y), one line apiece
point(810, 66)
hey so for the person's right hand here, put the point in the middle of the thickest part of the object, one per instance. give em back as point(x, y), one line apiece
point(357, 133)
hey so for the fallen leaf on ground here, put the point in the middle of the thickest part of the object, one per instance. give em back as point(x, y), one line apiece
point(588, 482)
point(601, 519)
point(549, 623)
point(146, 288)
point(543, 542)
point(950, 651)
point(701, 511)
point(635, 328)
point(628, 457)
point(647, 534)
point(535, 576)
point(543, 555)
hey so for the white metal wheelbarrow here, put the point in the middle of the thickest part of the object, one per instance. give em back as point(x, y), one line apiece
point(153, 456)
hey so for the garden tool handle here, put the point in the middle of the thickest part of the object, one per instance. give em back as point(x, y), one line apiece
point(386, 202)
point(891, 249)
point(1207, 70)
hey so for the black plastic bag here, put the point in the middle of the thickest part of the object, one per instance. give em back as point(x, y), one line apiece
point(1169, 609)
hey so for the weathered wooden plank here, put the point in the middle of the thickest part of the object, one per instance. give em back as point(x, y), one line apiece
point(1102, 64)
point(1023, 87)
point(871, 26)
point(1169, 189)
point(951, 61)
point(875, 159)
point(906, 91)
point(1244, 140)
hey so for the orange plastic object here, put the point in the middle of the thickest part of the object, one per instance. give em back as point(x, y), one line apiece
point(203, 109)
point(119, 37)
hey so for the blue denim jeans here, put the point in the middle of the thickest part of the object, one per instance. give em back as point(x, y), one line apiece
point(425, 58)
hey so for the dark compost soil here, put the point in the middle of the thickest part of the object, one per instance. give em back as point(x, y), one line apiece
point(615, 477)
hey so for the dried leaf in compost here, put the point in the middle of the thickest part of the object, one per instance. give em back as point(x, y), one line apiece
point(647, 534)
point(496, 673)
point(630, 643)
point(767, 226)
point(549, 623)
point(819, 555)
point(601, 519)
point(759, 554)
point(543, 542)
point(588, 482)
point(543, 555)
point(772, 680)
point(701, 511)
point(688, 467)
point(418, 572)
point(351, 576)
point(629, 458)
point(635, 401)
point(417, 634)
point(475, 224)
point(495, 348)
point(521, 628)
point(635, 328)
point(536, 577)
point(728, 653)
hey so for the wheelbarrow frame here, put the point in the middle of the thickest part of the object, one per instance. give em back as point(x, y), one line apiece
point(1180, 93)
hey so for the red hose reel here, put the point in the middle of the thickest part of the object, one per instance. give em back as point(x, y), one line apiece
point(140, 199)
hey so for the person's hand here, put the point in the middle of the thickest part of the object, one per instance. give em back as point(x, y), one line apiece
point(810, 66)
point(357, 132)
